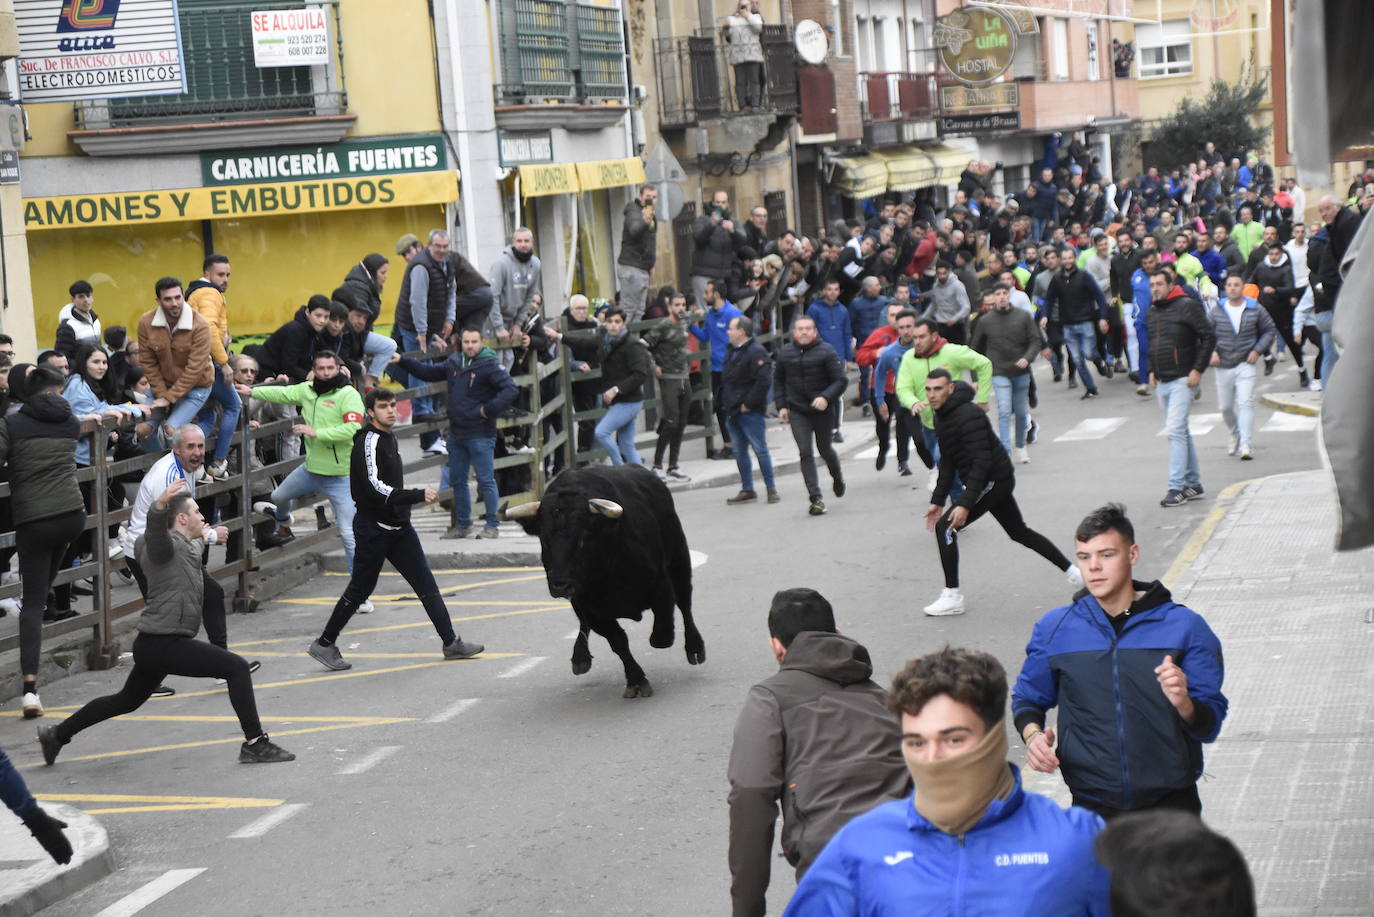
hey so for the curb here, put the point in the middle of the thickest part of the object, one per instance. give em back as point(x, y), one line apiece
point(1193, 548)
point(333, 562)
point(1279, 403)
point(45, 882)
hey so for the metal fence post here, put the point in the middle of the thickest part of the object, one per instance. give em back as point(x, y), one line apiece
point(104, 654)
point(244, 601)
point(537, 428)
point(569, 424)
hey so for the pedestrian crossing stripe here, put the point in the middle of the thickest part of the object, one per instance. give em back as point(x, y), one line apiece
point(1091, 428)
point(1198, 424)
point(1283, 422)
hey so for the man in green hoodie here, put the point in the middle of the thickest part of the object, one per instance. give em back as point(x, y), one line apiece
point(928, 351)
point(331, 412)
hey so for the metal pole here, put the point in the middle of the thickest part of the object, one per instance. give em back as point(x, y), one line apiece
point(537, 432)
point(103, 653)
point(244, 602)
point(569, 424)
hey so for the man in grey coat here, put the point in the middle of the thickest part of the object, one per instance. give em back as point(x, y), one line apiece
point(515, 278)
point(815, 737)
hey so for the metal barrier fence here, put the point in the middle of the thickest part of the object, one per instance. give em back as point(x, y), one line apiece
point(234, 496)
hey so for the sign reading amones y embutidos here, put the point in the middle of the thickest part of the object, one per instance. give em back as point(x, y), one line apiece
point(70, 50)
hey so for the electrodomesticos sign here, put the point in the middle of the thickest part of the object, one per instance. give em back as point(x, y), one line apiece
point(70, 50)
point(392, 156)
point(976, 46)
point(136, 207)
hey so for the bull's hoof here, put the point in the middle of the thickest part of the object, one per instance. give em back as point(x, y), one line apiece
point(696, 651)
point(661, 641)
point(643, 689)
point(582, 666)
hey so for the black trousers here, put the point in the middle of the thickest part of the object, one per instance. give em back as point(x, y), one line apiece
point(808, 428)
point(1283, 318)
point(998, 501)
point(674, 397)
point(374, 546)
point(212, 607)
point(956, 333)
point(717, 382)
point(1185, 800)
point(749, 84)
point(900, 418)
point(42, 545)
point(155, 657)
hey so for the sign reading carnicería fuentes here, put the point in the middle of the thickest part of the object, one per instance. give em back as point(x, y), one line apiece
point(70, 50)
point(389, 156)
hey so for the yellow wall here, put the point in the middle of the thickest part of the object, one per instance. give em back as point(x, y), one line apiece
point(277, 263)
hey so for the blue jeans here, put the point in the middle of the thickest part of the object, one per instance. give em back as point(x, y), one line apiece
point(615, 432)
point(932, 442)
point(478, 453)
point(334, 486)
point(224, 393)
point(380, 349)
point(184, 411)
point(1323, 320)
point(1176, 401)
point(749, 428)
point(1080, 339)
point(423, 405)
point(1013, 394)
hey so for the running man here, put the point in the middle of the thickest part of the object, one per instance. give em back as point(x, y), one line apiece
point(170, 553)
point(383, 532)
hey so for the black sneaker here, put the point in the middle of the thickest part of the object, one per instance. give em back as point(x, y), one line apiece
point(881, 461)
point(262, 750)
point(1032, 433)
point(461, 649)
point(837, 437)
point(838, 487)
point(723, 454)
point(1192, 492)
point(1269, 362)
point(903, 470)
point(1090, 393)
point(1173, 498)
point(328, 656)
point(744, 496)
point(1073, 383)
point(47, 738)
point(163, 691)
point(1303, 379)
point(817, 507)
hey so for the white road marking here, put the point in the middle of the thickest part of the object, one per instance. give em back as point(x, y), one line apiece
point(698, 557)
point(870, 453)
point(261, 826)
point(448, 713)
point(521, 667)
point(167, 882)
point(368, 761)
point(1092, 428)
point(1202, 424)
point(573, 635)
point(1283, 422)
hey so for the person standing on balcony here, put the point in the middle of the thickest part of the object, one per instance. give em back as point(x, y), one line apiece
point(745, 53)
point(638, 252)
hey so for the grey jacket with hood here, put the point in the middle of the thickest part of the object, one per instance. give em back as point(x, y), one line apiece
point(817, 738)
point(176, 578)
point(513, 285)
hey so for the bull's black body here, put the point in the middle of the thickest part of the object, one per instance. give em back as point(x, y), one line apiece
point(616, 566)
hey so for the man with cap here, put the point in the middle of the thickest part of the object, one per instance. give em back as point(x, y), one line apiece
point(815, 737)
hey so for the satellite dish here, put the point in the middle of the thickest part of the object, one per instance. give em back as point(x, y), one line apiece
point(813, 45)
point(670, 198)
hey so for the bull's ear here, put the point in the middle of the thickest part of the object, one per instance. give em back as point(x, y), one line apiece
point(608, 508)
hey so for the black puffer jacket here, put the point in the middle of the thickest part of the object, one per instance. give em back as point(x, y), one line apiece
point(969, 447)
point(803, 373)
point(625, 366)
point(744, 378)
point(638, 240)
point(714, 247)
point(38, 443)
point(1181, 337)
point(290, 349)
point(1280, 277)
point(365, 291)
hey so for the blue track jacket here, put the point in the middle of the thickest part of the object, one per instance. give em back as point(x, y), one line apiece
point(1121, 743)
point(1025, 856)
point(716, 332)
point(832, 324)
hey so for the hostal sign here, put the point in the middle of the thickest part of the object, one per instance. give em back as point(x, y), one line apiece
point(976, 46)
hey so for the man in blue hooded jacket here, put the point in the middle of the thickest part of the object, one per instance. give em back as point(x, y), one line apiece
point(1135, 675)
point(971, 840)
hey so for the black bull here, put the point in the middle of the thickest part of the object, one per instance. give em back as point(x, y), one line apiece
point(611, 543)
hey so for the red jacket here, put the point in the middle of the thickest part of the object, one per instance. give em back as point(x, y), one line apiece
point(923, 257)
point(873, 347)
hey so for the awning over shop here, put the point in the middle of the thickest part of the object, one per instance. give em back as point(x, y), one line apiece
point(949, 163)
point(912, 167)
point(859, 176)
point(572, 177)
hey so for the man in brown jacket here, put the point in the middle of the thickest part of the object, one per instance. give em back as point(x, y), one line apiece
point(816, 736)
point(174, 351)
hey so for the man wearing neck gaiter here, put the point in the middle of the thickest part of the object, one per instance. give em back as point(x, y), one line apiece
point(971, 840)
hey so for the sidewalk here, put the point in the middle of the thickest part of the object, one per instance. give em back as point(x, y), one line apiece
point(30, 880)
point(1305, 403)
point(1289, 778)
point(516, 549)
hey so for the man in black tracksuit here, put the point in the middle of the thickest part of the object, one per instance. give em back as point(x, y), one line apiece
point(969, 447)
point(384, 533)
point(1082, 311)
point(808, 379)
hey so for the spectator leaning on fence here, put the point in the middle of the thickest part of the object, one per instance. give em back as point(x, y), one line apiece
point(174, 351)
point(206, 296)
point(365, 281)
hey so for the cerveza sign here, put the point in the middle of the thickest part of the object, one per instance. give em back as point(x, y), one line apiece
point(353, 158)
point(976, 46)
point(239, 201)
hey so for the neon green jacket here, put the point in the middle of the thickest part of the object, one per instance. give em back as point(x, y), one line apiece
point(911, 375)
point(336, 416)
point(1247, 236)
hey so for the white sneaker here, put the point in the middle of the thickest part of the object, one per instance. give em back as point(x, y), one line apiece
point(1232, 444)
point(366, 608)
point(1315, 385)
point(1074, 576)
point(9, 607)
point(1022, 456)
point(33, 707)
point(438, 447)
point(1245, 453)
point(7, 577)
point(660, 473)
point(115, 551)
point(950, 602)
point(678, 477)
point(933, 479)
point(265, 507)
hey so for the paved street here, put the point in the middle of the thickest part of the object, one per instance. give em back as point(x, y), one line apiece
point(505, 785)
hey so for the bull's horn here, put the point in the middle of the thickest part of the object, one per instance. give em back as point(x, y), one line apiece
point(608, 508)
point(523, 511)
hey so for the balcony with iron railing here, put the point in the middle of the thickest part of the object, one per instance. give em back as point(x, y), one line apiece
point(229, 100)
point(1054, 101)
point(559, 60)
point(892, 96)
point(697, 83)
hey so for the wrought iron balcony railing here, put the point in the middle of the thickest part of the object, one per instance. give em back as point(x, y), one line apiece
point(560, 51)
point(893, 96)
point(696, 82)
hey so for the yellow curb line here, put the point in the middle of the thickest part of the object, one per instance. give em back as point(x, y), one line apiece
point(1289, 407)
point(1206, 529)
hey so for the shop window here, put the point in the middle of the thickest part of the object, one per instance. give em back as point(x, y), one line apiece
point(1165, 49)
